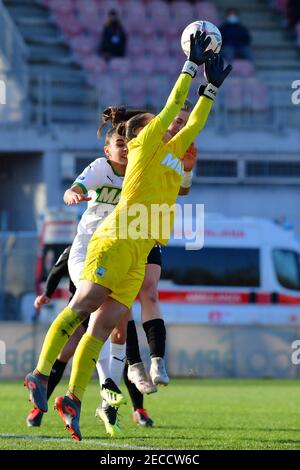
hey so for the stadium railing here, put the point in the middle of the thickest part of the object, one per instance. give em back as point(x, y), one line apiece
point(15, 53)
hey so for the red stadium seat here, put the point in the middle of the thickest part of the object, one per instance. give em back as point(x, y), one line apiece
point(183, 14)
point(157, 46)
point(110, 89)
point(207, 11)
point(256, 94)
point(136, 22)
point(65, 7)
point(135, 91)
point(69, 25)
point(136, 45)
point(83, 45)
point(94, 63)
point(144, 65)
point(158, 88)
point(120, 65)
point(158, 9)
point(242, 68)
point(233, 93)
point(164, 66)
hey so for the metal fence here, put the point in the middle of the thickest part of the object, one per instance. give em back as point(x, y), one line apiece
point(18, 252)
point(13, 70)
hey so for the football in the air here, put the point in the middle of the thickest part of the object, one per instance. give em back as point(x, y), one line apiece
point(209, 28)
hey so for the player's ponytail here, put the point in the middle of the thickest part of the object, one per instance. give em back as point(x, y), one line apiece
point(116, 115)
point(121, 129)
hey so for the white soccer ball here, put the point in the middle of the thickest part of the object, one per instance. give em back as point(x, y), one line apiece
point(210, 30)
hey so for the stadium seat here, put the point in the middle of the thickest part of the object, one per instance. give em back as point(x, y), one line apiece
point(233, 93)
point(94, 64)
point(135, 22)
point(167, 65)
point(242, 68)
point(88, 8)
point(134, 91)
point(158, 9)
point(120, 65)
point(183, 14)
point(256, 94)
point(69, 25)
point(136, 45)
point(109, 87)
point(82, 45)
point(157, 46)
point(208, 11)
point(65, 8)
point(144, 65)
point(158, 88)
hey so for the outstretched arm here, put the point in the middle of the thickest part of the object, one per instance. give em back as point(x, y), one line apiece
point(215, 73)
point(58, 271)
point(198, 55)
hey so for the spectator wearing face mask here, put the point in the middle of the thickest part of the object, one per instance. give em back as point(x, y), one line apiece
point(236, 38)
point(113, 38)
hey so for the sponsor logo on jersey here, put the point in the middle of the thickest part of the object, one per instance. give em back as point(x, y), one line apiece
point(108, 195)
point(110, 179)
point(174, 163)
point(81, 178)
point(100, 271)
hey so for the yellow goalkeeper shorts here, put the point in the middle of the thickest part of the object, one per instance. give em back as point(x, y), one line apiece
point(118, 265)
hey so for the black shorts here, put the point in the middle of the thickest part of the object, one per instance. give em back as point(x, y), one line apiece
point(154, 256)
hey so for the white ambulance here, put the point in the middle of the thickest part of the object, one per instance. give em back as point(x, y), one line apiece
point(248, 272)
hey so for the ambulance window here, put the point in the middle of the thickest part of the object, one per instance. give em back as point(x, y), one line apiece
point(287, 268)
point(236, 267)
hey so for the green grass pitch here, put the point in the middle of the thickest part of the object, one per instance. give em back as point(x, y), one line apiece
point(188, 414)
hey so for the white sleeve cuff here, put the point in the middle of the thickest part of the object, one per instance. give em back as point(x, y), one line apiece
point(190, 68)
point(210, 91)
point(187, 179)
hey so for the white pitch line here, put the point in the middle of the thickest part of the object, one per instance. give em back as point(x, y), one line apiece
point(85, 442)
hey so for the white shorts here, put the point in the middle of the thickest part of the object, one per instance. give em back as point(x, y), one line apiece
point(77, 257)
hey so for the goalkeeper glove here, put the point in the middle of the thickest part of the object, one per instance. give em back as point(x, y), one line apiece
point(215, 75)
point(198, 54)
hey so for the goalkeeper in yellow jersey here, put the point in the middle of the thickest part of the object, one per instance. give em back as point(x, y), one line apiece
point(115, 264)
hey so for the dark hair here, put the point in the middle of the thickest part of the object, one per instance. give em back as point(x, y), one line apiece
point(129, 128)
point(233, 10)
point(109, 135)
point(115, 115)
point(187, 106)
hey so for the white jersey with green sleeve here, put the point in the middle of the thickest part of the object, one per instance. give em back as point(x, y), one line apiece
point(100, 182)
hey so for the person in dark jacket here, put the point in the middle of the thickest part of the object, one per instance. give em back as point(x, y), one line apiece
point(113, 39)
point(236, 38)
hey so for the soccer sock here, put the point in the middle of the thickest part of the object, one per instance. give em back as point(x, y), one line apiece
point(84, 362)
point(58, 334)
point(103, 363)
point(117, 361)
point(136, 397)
point(156, 336)
point(56, 374)
point(132, 344)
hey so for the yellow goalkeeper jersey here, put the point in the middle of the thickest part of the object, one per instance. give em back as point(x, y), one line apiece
point(155, 170)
